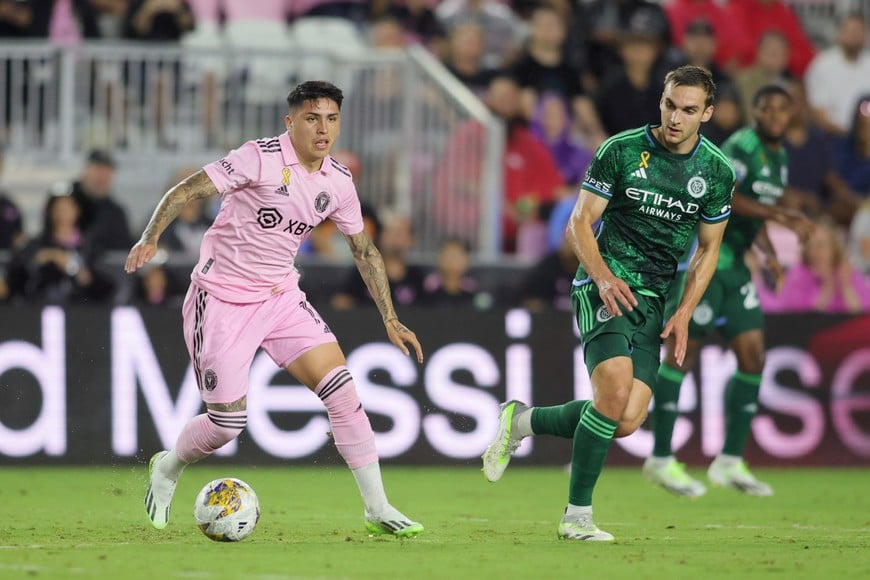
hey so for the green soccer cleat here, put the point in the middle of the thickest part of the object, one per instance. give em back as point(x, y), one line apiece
point(671, 475)
point(580, 527)
point(158, 496)
point(499, 453)
point(392, 523)
point(737, 476)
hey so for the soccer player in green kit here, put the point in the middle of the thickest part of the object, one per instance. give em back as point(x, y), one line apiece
point(644, 198)
point(731, 303)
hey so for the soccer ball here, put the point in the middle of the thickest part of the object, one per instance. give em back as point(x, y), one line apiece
point(227, 510)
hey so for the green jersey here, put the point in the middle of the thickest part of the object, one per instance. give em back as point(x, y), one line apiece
point(762, 174)
point(656, 199)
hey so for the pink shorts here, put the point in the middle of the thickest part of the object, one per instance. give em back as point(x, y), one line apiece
point(222, 338)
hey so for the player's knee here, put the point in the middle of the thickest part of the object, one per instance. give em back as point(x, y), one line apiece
point(629, 423)
point(224, 426)
point(753, 363)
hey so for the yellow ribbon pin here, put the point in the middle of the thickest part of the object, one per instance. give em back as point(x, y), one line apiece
point(286, 173)
point(644, 157)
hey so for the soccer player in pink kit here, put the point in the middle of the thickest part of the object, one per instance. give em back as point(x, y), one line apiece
point(244, 294)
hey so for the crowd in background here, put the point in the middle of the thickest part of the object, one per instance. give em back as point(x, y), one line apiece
point(562, 75)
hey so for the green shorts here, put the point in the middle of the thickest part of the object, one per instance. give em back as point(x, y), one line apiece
point(635, 334)
point(730, 305)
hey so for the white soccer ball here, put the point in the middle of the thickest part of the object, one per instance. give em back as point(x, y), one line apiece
point(227, 510)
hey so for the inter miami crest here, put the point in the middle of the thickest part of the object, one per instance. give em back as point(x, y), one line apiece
point(209, 380)
point(321, 202)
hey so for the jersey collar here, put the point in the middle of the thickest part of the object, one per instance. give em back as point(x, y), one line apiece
point(655, 143)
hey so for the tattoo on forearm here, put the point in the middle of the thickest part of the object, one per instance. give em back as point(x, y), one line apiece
point(371, 267)
point(196, 186)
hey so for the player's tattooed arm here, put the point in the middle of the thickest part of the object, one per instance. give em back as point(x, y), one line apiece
point(371, 267)
point(196, 186)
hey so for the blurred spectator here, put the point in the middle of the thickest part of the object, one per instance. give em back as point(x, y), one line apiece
point(599, 25)
point(825, 280)
point(551, 123)
point(629, 94)
point(548, 284)
point(418, 21)
point(531, 176)
point(815, 185)
point(386, 33)
point(156, 286)
point(503, 32)
point(157, 20)
point(57, 267)
point(64, 22)
point(464, 58)
point(110, 17)
point(859, 239)
point(406, 280)
point(756, 18)
point(839, 75)
point(103, 221)
point(450, 285)
point(16, 19)
point(770, 66)
point(11, 226)
point(853, 151)
point(542, 66)
point(727, 115)
point(726, 40)
point(698, 47)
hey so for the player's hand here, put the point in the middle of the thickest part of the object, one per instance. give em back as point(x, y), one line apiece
point(139, 255)
point(678, 326)
point(400, 335)
point(798, 223)
point(615, 293)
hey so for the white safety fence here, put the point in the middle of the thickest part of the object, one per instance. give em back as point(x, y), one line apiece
point(417, 134)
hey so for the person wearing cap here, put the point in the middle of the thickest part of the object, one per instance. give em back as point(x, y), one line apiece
point(103, 220)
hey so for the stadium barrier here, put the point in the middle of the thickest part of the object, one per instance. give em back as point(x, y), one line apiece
point(111, 386)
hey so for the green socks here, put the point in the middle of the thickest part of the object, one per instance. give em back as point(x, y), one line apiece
point(664, 413)
point(741, 404)
point(560, 420)
point(591, 442)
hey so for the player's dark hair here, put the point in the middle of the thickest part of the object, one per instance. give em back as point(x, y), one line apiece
point(770, 89)
point(693, 76)
point(313, 91)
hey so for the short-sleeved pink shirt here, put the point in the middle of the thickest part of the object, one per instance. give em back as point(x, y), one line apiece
point(269, 205)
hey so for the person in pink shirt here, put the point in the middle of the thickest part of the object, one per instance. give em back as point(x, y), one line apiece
point(825, 280)
point(244, 295)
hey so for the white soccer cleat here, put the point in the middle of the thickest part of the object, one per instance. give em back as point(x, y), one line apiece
point(581, 527)
point(158, 497)
point(498, 454)
point(737, 476)
point(671, 475)
point(392, 522)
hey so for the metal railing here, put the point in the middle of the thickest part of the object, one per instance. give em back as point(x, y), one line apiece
point(159, 107)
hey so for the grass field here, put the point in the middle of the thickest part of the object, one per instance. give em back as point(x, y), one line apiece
point(89, 523)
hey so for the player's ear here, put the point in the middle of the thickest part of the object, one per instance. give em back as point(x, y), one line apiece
point(288, 120)
point(708, 112)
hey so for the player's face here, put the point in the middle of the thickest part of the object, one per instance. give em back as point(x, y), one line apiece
point(772, 115)
point(683, 110)
point(313, 129)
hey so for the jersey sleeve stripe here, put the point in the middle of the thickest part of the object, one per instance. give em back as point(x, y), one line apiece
point(716, 219)
point(592, 189)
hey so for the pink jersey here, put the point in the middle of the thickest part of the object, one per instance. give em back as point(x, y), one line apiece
point(269, 205)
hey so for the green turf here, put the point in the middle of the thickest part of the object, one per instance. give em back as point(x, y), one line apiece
point(89, 523)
